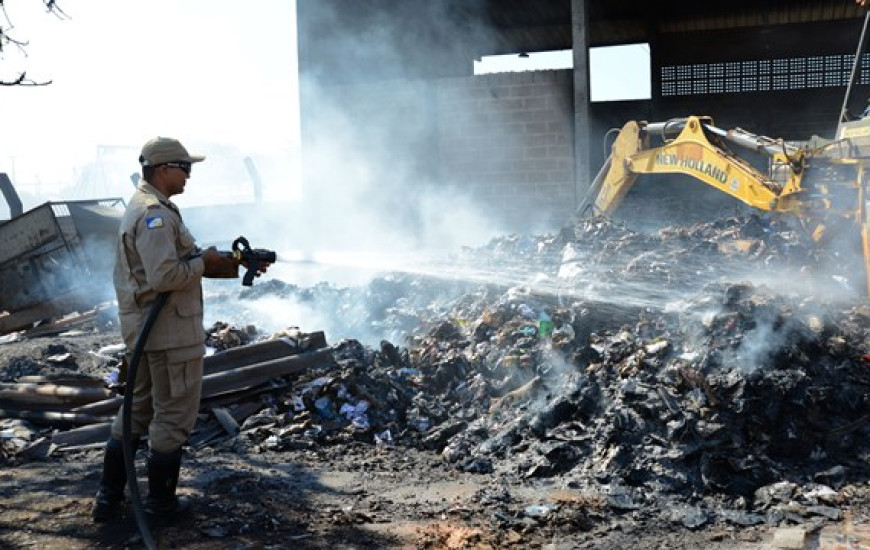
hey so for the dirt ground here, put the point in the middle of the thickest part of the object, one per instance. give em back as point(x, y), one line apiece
point(355, 495)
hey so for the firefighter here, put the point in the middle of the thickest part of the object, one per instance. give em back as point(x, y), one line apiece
point(156, 253)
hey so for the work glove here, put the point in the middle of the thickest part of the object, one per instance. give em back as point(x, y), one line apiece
point(219, 265)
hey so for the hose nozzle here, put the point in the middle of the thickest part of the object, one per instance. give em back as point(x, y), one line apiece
point(252, 258)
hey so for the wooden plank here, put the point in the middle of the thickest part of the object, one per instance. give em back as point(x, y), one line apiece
point(61, 325)
point(225, 399)
point(53, 394)
point(260, 352)
point(246, 355)
point(253, 375)
point(218, 387)
point(24, 318)
point(108, 406)
point(223, 383)
point(84, 435)
point(226, 420)
point(83, 447)
point(52, 417)
point(63, 380)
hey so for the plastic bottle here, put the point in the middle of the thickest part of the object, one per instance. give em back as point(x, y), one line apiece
point(545, 325)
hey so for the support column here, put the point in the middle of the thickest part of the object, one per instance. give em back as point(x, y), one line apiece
point(652, 32)
point(580, 39)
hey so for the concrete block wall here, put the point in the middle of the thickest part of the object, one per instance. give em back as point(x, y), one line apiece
point(788, 115)
point(508, 139)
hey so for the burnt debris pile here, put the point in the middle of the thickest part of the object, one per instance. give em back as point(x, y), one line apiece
point(631, 365)
point(690, 366)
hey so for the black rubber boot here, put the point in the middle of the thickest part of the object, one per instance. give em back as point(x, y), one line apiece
point(162, 480)
point(110, 497)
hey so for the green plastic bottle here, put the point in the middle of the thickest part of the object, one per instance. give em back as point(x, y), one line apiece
point(545, 325)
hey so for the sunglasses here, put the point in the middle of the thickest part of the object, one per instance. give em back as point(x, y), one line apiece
point(181, 165)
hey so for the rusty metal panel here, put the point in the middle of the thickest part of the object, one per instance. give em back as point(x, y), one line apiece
point(58, 253)
point(28, 232)
point(36, 278)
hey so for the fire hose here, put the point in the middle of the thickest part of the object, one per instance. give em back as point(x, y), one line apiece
point(254, 260)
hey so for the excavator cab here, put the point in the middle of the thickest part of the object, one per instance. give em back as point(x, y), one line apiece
point(855, 134)
point(852, 146)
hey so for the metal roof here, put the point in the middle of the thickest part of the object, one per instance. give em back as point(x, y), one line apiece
point(542, 25)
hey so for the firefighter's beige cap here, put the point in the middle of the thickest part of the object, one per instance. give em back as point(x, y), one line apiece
point(161, 150)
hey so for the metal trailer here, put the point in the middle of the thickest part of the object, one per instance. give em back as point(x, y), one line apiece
point(56, 259)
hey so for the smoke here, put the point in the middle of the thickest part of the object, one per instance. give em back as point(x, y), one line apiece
point(379, 106)
point(326, 312)
point(372, 181)
point(747, 327)
point(373, 198)
point(365, 189)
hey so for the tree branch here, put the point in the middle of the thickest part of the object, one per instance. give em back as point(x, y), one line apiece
point(52, 7)
point(22, 80)
point(5, 40)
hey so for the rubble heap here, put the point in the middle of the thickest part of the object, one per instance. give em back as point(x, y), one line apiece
point(716, 395)
point(636, 368)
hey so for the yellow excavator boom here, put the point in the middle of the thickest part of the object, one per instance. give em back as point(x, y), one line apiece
point(690, 153)
point(822, 186)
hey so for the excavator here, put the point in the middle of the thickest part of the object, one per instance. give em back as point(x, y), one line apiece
point(823, 184)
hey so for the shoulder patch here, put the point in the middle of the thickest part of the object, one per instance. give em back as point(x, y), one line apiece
point(156, 221)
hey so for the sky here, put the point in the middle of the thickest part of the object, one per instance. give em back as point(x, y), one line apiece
point(220, 78)
point(616, 72)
